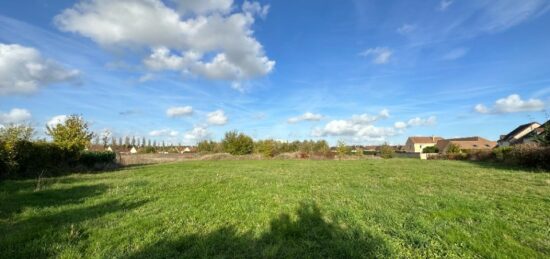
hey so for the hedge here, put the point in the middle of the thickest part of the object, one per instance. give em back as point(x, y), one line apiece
point(26, 159)
point(92, 159)
point(519, 155)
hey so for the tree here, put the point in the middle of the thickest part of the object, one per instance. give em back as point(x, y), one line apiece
point(342, 149)
point(73, 134)
point(453, 148)
point(266, 147)
point(386, 151)
point(544, 137)
point(105, 135)
point(237, 143)
point(12, 133)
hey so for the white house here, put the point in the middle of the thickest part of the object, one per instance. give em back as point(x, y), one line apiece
point(417, 144)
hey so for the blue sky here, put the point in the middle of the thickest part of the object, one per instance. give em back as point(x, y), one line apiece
point(366, 72)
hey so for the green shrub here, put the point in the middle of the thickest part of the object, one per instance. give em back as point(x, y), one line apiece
point(237, 143)
point(501, 153)
point(453, 149)
point(4, 160)
point(431, 149)
point(92, 159)
point(530, 156)
point(31, 159)
point(386, 151)
point(148, 150)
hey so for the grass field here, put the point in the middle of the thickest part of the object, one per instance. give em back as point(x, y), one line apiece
point(296, 209)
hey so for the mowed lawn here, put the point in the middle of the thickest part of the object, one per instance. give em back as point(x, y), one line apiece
point(291, 209)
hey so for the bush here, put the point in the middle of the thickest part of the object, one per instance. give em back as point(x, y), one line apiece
point(386, 151)
point(530, 156)
point(148, 150)
point(453, 149)
point(236, 143)
point(32, 159)
point(501, 153)
point(431, 149)
point(4, 161)
point(93, 159)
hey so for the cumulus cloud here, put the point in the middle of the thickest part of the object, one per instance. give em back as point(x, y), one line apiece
point(179, 111)
point(164, 133)
point(510, 104)
point(216, 118)
point(358, 127)
point(417, 121)
point(23, 70)
point(202, 38)
point(380, 55)
point(196, 134)
point(15, 115)
point(308, 116)
point(455, 54)
point(59, 119)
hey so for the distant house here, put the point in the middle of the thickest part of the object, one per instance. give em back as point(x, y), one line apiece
point(520, 135)
point(133, 150)
point(469, 143)
point(417, 144)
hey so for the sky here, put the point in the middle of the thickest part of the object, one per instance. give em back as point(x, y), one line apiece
point(365, 72)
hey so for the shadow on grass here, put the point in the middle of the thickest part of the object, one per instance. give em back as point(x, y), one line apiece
point(308, 236)
point(15, 201)
point(504, 166)
point(53, 219)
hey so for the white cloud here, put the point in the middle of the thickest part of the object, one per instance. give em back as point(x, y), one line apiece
point(380, 55)
point(15, 115)
point(308, 116)
point(432, 120)
point(23, 70)
point(444, 4)
point(417, 121)
point(196, 134)
point(400, 125)
point(209, 41)
point(500, 15)
point(455, 54)
point(216, 118)
point(358, 127)
point(164, 133)
point(203, 6)
point(179, 111)
point(510, 104)
point(59, 119)
point(406, 29)
point(255, 8)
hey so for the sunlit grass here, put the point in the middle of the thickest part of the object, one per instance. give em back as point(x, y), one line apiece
point(369, 208)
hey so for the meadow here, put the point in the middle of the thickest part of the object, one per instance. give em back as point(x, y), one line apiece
point(281, 209)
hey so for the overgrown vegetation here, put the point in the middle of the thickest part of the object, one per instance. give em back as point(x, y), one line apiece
point(528, 156)
point(398, 208)
point(21, 157)
point(430, 149)
point(386, 151)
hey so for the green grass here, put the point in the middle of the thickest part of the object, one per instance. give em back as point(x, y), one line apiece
point(370, 208)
